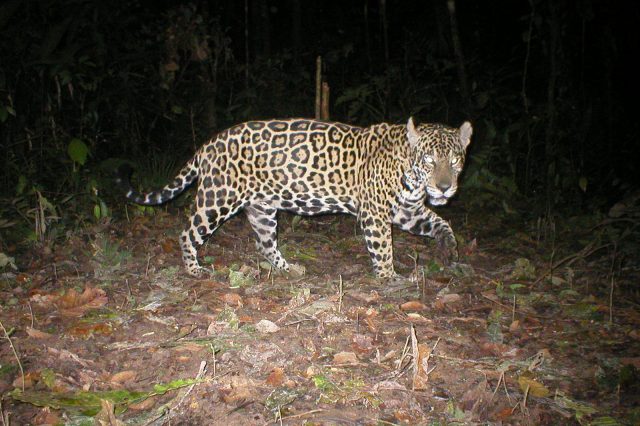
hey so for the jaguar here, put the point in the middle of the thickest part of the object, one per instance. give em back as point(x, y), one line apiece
point(383, 174)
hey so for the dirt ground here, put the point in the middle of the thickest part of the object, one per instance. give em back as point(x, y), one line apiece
point(107, 329)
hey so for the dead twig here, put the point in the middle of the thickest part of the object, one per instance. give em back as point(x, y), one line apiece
point(15, 353)
point(587, 251)
point(297, 416)
point(4, 417)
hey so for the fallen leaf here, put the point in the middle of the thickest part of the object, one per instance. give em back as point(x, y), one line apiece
point(345, 358)
point(232, 299)
point(47, 417)
point(238, 389)
point(451, 298)
point(123, 377)
point(421, 375)
point(371, 297)
point(536, 388)
point(414, 317)
point(266, 326)
point(144, 404)
point(362, 343)
point(189, 347)
point(413, 305)
point(514, 326)
point(74, 304)
point(37, 334)
point(276, 377)
point(168, 246)
point(88, 330)
point(30, 379)
point(504, 414)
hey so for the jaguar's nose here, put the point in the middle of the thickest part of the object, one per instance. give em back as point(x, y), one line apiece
point(443, 185)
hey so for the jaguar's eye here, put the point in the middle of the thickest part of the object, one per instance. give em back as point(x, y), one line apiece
point(429, 159)
point(455, 161)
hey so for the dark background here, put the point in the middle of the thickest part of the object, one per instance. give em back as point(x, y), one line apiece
point(549, 86)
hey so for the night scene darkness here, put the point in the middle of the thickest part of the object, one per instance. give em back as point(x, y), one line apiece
point(319, 212)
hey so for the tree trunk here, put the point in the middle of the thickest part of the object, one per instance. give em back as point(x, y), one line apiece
point(457, 51)
point(549, 145)
point(296, 29)
point(246, 44)
point(385, 32)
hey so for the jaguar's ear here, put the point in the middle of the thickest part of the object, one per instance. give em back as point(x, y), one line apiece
point(465, 134)
point(412, 133)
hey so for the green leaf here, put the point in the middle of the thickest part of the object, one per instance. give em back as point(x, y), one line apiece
point(22, 184)
point(48, 377)
point(88, 403)
point(582, 183)
point(78, 151)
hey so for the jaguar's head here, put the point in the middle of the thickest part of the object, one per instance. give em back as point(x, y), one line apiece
point(438, 158)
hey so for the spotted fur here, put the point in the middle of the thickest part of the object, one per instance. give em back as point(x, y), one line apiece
point(382, 174)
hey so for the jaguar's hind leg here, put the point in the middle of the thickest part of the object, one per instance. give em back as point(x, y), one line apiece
point(265, 225)
point(204, 222)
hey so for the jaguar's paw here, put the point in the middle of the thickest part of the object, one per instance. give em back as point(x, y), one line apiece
point(296, 270)
point(447, 249)
point(200, 272)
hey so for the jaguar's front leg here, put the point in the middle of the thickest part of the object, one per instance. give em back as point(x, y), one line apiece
point(377, 236)
point(420, 220)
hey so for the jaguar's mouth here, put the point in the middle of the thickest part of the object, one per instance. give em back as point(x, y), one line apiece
point(438, 201)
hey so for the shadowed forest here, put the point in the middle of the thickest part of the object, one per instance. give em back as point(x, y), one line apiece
point(537, 323)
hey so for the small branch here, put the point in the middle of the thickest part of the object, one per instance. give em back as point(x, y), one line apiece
point(15, 354)
point(587, 251)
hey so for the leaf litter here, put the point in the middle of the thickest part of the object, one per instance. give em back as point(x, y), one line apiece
point(129, 339)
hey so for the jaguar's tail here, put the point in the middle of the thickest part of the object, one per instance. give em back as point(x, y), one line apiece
point(186, 177)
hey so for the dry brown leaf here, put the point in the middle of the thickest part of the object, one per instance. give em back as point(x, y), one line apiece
point(30, 379)
point(189, 347)
point(504, 414)
point(87, 330)
point(345, 358)
point(144, 404)
point(123, 376)
point(74, 304)
point(238, 388)
point(362, 343)
point(232, 299)
point(514, 326)
point(37, 334)
point(413, 305)
point(168, 246)
point(451, 298)
point(47, 417)
point(276, 377)
point(265, 326)
point(43, 299)
point(368, 298)
point(421, 376)
point(414, 317)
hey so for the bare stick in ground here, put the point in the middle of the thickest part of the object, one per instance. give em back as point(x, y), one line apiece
point(15, 354)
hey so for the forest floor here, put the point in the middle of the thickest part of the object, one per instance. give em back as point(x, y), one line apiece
point(107, 329)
